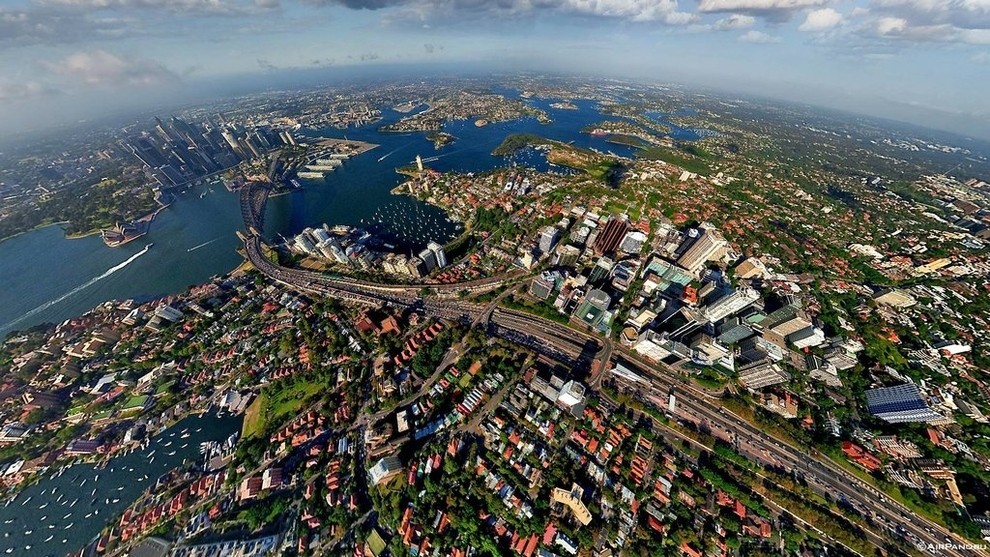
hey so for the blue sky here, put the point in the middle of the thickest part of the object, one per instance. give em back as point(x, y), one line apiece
point(926, 61)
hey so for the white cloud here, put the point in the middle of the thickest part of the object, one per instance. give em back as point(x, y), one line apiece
point(18, 91)
point(636, 10)
point(734, 22)
point(821, 20)
point(959, 21)
point(758, 37)
point(102, 68)
point(777, 10)
point(195, 6)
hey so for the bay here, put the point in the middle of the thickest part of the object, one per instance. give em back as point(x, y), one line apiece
point(47, 278)
point(124, 478)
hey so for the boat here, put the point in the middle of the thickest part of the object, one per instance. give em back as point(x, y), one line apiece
point(43, 506)
point(69, 526)
point(115, 501)
point(66, 516)
point(9, 550)
point(28, 532)
point(171, 453)
point(88, 515)
point(25, 501)
point(74, 501)
point(184, 436)
point(44, 518)
point(49, 538)
point(94, 492)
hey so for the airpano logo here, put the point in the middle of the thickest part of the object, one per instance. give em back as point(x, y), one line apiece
point(938, 548)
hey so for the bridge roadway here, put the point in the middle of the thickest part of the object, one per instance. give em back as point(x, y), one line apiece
point(697, 404)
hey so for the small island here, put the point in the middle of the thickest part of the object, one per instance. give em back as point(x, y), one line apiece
point(440, 139)
point(595, 164)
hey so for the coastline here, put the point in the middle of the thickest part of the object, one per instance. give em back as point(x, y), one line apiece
point(32, 229)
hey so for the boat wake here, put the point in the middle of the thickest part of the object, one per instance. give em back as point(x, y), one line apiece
point(393, 151)
point(77, 289)
point(194, 248)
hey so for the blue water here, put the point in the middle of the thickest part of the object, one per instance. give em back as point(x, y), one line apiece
point(677, 132)
point(47, 278)
point(26, 514)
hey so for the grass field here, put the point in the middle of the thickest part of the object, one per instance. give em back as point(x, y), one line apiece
point(275, 408)
point(254, 418)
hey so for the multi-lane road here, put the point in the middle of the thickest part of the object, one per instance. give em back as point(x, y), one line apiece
point(580, 349)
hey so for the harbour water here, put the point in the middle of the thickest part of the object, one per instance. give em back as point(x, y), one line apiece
point(63, 513)
point(47, 278)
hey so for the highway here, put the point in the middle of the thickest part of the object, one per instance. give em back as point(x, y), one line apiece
point(578, 349)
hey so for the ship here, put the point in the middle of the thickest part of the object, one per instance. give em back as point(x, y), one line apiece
point(310, 175)
point(122, 234)
point(321, 167)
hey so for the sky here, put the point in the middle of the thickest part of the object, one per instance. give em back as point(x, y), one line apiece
point(921, 61)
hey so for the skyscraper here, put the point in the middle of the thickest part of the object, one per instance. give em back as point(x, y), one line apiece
point(610, 236)
point(730, 304)
point(438, 254)
point(548, 238)
point(709, 245)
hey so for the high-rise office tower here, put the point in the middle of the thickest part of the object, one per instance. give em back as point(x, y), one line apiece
point(438, 254)
point(730, 304)
point(610, 236)
point(709, 245)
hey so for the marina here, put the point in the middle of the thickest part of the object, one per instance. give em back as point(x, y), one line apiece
point(108, 493)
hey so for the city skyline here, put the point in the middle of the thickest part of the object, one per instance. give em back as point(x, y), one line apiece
point(71, 60)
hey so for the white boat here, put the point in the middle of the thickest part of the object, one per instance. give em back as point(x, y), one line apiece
point(115, 501)
point(9, 550)
point(88, 515)
point(44, 518)
point(43, 506)
point(25, 501)
point(69, 526)
point(49, 538)
point(28, 532)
